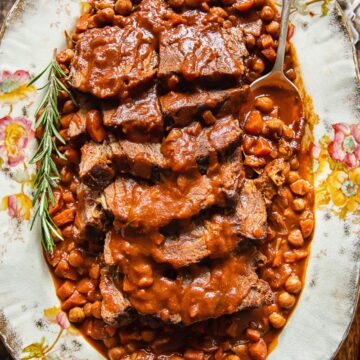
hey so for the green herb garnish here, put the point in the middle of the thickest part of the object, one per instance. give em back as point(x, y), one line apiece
point(47, 177)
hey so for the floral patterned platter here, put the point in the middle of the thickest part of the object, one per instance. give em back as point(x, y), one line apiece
point(31, 323)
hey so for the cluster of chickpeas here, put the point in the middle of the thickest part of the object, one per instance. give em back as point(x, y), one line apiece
point(291, 216)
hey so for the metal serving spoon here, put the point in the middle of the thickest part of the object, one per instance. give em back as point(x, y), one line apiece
point(276, 77)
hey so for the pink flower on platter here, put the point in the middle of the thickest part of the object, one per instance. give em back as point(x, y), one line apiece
point(18, 206)
point(62, 320)
point(345, 147)
point(15, 134)
point(14, 85)
point(56, 316)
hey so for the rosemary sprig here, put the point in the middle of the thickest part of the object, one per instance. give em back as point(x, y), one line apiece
point(47, 177)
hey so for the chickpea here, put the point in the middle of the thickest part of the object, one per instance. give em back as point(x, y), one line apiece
point(289, 256)
point(293, 176)
point(272, 308)
point(250, 41)
point(273, 28)
point(267, 13)
point(275, 125)
point(67, 232)
point(277, 320)
point(75, 258)
point(96, 309)
point(123, 7)
point(66, 175)
point(293, 284)
point(191, 354)
point(299, 204)
point(117, 353)
point(258, 66)
point(300, 187)
point(94, 271)
point(307, 227)
point(258, 350)
point(241, 350)
point(103, 16)
point(264, 104)
point(294, 164)
point(295, 238)
point(227, 24)
point(244, 5)
point(270, 54)
point(87, 309)
point(72, 155)
point(76, 315)
point(68, 108)
point(253, 335)
point(290, 74)
point(218, 11)
point(286, 300)
point(301, 254)
point(104, 4)
point(110, 342)
point(232, 357)
point(64, 57)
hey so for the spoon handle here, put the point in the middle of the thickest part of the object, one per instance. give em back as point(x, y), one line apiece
point(285, 14)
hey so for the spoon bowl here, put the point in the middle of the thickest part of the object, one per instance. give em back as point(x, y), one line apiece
point(276, 77)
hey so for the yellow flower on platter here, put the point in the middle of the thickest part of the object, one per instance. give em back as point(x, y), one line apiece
point(18, 206)
point(344, 190)
point(15, 135)
point(14, 86)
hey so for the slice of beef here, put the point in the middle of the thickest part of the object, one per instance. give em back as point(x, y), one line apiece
point(100, 162)
point(183, 150)
point(190, 147)
point(142, 160)
point(114, 306)
point(180, 109)
point(90, 220)
point(195, 293)
point(215, 237)
point(174, 197)
point(211, 54)
point(139, 118)
point(111, 60)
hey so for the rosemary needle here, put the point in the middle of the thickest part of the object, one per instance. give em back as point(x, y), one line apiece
point(48, 119)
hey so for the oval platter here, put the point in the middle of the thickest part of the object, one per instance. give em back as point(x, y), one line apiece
point(31, 324)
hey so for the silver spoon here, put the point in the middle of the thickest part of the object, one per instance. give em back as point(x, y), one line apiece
point(276, 77)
